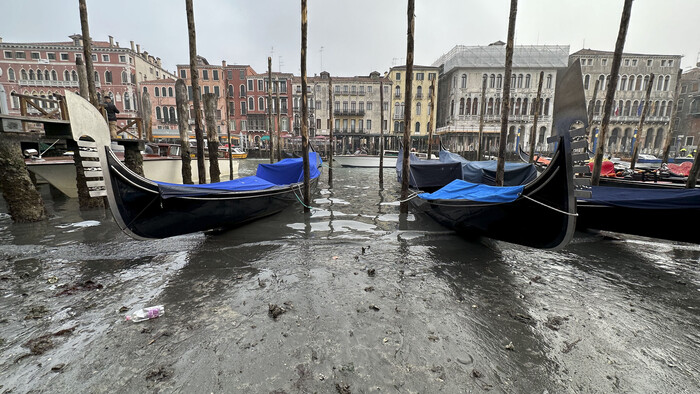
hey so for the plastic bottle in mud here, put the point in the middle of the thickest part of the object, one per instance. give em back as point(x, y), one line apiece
point(146, 313)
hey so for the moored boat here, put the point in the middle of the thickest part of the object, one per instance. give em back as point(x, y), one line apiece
point(147, 209)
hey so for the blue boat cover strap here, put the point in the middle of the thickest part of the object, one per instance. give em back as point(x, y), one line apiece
point(462, 190)
point(282, 173)
point(628, 197)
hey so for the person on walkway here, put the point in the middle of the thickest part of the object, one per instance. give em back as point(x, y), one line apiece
point(112, 112)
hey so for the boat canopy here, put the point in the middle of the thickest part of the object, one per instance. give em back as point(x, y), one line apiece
point(462, 190)
point(485, 171)
point(282, 173)
point(646, 198)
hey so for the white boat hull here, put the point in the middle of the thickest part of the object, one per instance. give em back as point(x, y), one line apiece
point(364, 161)
point(61, 174)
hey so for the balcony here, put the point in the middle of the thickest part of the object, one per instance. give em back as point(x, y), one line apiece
point(397, 116)
point(345, 112)
point(419, 96)
point(49, 83)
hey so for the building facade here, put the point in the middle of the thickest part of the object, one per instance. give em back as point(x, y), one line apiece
point(687, 123)
point(424, 86)
point(47, 69)
point(634, 77)
point(356, 108)
point(462, 72)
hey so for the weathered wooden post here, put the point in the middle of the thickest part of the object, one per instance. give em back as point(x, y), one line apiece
point(82, 79)
point(480, 137)
point(533, 133)
point(147, 121)
point(500, 167)
point(641, 136)
point(305, 112)
point(431, 110)
point(269, 109)
point(407, 109)
point(330, 132)
point(610, 93)
point(87, 53)
point(381, 134)
point(212, 137)
point(199, 135)
point(23, 200)
point(182, 117)
point(674, 113)
point(279, 122)
point(228, 127)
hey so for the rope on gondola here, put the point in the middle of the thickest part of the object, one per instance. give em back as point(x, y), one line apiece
point(410, 196)
point(299, 199)
point(549, 206)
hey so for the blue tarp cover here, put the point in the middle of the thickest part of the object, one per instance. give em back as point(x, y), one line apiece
point(462, 190)
point(485, 171)
point(646, 199)
point(284, 172)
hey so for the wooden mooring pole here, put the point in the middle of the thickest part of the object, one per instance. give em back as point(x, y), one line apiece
point(533, 133)
point(196, 100)
point(23, 199)
point(610, 92)
point(674, 113)
point(381, 134)
point(500, 167)
point(305, 112)
point(182, 117)
point(271, 142)
point(480, 137)
point(87, 53)
point(330, 133)
point(147, 121)
point(82, 79)
point(431, 111)
point(641, 136)
point(212, 137)
point(405, 171)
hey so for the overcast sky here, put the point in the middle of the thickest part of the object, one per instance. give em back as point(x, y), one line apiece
point(354, 37)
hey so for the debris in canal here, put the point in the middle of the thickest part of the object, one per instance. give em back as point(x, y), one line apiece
point(569, 346)
point(342, 388)
point(369, 289)
point(160, 374)
point(275, 310)
point(554, 322)
point(85, 286)
point(373, 307)
point(42, 344)
point(371, 272)
point(51, 280)
point(476, 373)
point(37, 312)
point(58, 367)
point(510, 346)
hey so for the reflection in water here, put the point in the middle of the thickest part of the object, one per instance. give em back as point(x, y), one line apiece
point(370, 297)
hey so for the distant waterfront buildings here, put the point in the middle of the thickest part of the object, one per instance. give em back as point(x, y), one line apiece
point(48, 68)
point(425, 80)
point(635, 73)
point(462, 72)
point(687, 123)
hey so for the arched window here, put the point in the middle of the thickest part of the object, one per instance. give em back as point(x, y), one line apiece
point(598, 106)
point(156, 91)
point(230, 90)
point(242, 90)
point(54, 75)
point(623, 83)
point(520, 80)
point(636, 109)
point(158, 116)
point(666, 81)
point(166, 117)
point(638, 83)
point(668, 109)
point(633, 79)
point(170, 91)
point(397, 91)
point(549, 81)
point(492, 83)
point(546, 105)
point(31, 74)
point(261, 104)
point(475, 106)
point(23, 74)
point(145, 89)
point(108, 77)
point(601, 82)
point(499, 81)
point(127, 101)
point(97, 77)
point(660, 83)
point(47, 75)
point(417, 127)
point(418, 108)
point(419, 92)
point(172, 115)
point(15, 101)
point(66, 75)
point(162, 91)
point(518, 104)
point(74, 76)
point(430, 91)
point(469, 106)
point(628, 105)
point(251, 104)
point(586, 81)
point(662, 110)
point(39, 75)
point(512, 81)
point(10, 74)
point(464, 80)
point(523, 109)
point(452, 108)
point(461, 106)
point(489, 110)
point(646, 82)
point(125, 78)
point(527, 81)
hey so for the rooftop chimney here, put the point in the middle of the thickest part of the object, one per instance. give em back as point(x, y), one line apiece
point(117, 44)
point(132, 45)
point(111, 41)
point(138, 48)
point(223, 62)
point(0, 39)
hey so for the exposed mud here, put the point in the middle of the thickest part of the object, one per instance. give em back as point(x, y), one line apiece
point(354, 298)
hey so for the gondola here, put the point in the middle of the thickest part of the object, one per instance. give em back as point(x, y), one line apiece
point(540, 214)
point(147, 209)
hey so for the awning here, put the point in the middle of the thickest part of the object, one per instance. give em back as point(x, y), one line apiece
point(265, 138)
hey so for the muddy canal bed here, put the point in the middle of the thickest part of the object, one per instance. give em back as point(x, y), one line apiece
point(354, 298)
